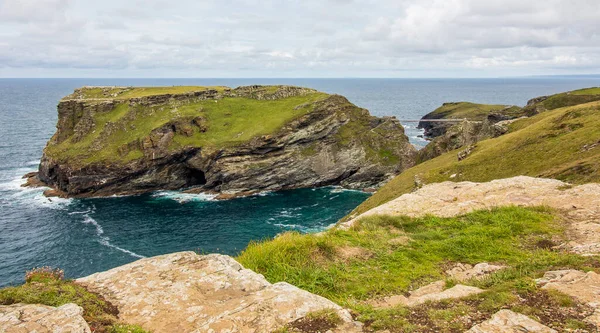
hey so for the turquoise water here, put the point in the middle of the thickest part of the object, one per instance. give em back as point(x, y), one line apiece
point(91, 235)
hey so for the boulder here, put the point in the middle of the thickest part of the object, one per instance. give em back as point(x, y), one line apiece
point(506, 321)
point(186, 292)
point(24, 318)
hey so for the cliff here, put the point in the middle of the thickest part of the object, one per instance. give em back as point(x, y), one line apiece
point(112, 140)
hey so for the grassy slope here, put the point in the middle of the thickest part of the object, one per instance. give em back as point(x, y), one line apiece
point(546, 145)
point(391, 255)
point(230, 121)
point(570, 98)
point(471, 111)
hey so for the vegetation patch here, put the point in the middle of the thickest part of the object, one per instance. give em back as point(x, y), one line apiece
point(471, 111)
point(46, 286)
point(314, 322)
point(504, 235)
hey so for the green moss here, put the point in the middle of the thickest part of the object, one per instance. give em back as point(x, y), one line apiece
point(382, 266)
point(309, 151)
point(549, 145)
point(123, 328)
point(588, 91)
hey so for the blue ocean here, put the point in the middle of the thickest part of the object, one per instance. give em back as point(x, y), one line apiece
point(83, 236)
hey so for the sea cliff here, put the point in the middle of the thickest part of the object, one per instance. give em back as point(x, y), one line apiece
point(112, 140)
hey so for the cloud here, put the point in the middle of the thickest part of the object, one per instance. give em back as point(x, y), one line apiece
point(308, 38)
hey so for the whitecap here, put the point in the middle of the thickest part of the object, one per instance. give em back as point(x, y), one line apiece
point(184, 197)
point(106, 240)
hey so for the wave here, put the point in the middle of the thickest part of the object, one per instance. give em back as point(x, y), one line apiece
point(31, 163)
point(104, 240)
point(184, 197)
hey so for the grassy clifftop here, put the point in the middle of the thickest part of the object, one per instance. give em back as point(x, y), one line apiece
point(470, 111)
point(117, 134)
point(556, 101)
point(562, 143)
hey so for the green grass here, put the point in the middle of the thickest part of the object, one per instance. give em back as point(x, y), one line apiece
point(380, 266)
point(565, 99)
point(230, 121)
point(588, 91)
point(136, 92)
point(471, 111)
point(548, 145)
point(43, 289)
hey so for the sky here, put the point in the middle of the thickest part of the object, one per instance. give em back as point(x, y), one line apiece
point(304, 38)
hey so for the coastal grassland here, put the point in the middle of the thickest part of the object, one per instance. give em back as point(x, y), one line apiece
point(565, 99)
point(137, 92)
point(471, 111)
point(554, 144)
point(383, 255)
point(228, 121)
point(41, 288)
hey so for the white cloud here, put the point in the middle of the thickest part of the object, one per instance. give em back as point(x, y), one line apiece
point(292, 38)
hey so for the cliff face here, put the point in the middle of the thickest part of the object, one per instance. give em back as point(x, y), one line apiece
point(131, 140)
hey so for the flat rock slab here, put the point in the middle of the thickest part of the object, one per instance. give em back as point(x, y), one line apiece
point(186, 292)
point(580, 204)
point(464, 272)
point(25, 318)
point(506, 321)
point(432, 292)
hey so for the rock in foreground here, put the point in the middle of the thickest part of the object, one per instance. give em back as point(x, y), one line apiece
point(130, 140)
point(21, 318)
point(185, 292)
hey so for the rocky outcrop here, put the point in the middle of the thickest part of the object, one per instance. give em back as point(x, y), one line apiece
point(506, 321)
point(582, 286)
point(21, 318)
point(186, 292)
point(433, 292)
point(579, 205)
point(329, 142)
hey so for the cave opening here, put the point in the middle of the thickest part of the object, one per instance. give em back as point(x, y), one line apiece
point(195, 177)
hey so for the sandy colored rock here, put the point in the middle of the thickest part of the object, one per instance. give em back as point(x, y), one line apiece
point(464, 272)
point(186, 292)
point(24, 318)
point(506, 321)
point(432, 292)
point(579, 204)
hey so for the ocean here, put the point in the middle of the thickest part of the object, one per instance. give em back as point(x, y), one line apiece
point(83, 236)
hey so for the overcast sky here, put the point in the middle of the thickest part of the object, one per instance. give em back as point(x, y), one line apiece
point(304, 38)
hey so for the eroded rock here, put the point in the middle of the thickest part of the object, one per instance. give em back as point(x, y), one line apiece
point(186, 292)
point(506, 321)
point(432, 292)
point(464, 272)
point(24, 318)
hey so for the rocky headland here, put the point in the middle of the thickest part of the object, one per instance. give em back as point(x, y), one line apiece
point(112, 140)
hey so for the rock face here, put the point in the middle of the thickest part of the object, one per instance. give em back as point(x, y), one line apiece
point(432, 292)
point(185, 292)
point(506, 321)
point(130, 140)
point(23, 318)
point(580, 205)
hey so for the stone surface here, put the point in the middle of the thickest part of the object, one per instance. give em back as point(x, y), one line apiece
point(186, 292)
point(580, 205)
point(307, 151)
point(24, 318)
point(506, 321)
point(584, 287)
point(432, 292)
point(464, 272)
